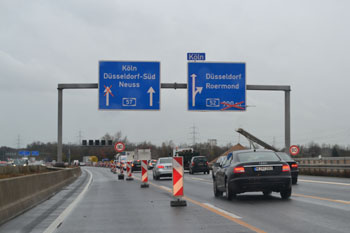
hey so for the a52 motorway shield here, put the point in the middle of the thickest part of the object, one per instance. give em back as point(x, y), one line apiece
point(216, 86)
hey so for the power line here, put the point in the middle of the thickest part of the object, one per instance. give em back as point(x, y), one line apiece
point(18, 141)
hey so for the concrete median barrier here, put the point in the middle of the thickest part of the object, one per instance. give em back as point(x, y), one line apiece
point(21, 193)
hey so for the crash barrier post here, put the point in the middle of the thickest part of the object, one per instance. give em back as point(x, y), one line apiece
point(144, 173)
point(121, 172)
point(129, 171)
point(178, 182)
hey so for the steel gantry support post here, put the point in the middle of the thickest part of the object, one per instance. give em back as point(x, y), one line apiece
point(287, 120)
point(59, 129)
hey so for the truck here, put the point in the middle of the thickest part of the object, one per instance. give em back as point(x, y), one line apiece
point(187, 154)
point(142, 154)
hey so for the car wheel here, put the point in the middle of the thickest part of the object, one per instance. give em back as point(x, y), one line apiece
point(267, 193)
point(229, 193)
point(217, 193)
point(286, 193)
point(294, 180)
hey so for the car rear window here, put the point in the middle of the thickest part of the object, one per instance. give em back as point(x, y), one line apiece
point(200, 159)
point(166, 160)
point(257, 157)
point(284, 156)
point(137, 162)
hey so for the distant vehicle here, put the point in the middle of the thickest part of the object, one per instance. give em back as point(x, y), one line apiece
point(252, 171)
point(136, 165)
point(187, 154)
point(76, 163)
point(293, 165)
point(3, 164)
point(142, 154)
point(216, 165)
point(82, 164)
point(151, 164)
point(163, 168)
point(199, 164)
point(122, 159)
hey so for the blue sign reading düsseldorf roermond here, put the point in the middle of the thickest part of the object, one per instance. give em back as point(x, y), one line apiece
point(129, 85)
point(216, 86)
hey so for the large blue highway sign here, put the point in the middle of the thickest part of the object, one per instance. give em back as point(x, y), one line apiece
point(35, 153)
point(129, 85)
point(216, 86)
point(24, 153)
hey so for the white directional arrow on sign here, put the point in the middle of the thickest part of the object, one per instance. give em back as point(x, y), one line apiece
point(195, 90)
point(151, 92)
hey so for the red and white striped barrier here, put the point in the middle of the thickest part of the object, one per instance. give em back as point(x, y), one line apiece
point(144, 172)
point(129, 171)
point(121, 172)
point(178, 182)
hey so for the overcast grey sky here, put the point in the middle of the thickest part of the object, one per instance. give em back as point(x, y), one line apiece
point(304, 44)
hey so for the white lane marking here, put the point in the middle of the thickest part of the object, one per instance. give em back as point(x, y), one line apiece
point(324, 182)
point(222, 211)
point(58, 221)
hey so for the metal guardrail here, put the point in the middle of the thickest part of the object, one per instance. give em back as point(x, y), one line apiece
point(326, 166)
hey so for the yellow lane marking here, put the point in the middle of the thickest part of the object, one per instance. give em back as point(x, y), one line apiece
point(324, 182)
point(214, 210)
point(321, 198)
point(238, 221)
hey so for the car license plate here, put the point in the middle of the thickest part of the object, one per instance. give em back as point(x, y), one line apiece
point(200, 164)
point(263, 169)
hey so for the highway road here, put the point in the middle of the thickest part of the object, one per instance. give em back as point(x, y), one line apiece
point(99, 202)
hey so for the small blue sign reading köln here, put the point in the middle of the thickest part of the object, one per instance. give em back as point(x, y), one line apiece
point(216, 86)
point(129, 85)
point(195, 56)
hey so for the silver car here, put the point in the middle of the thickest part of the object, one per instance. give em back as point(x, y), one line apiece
point(163, 168)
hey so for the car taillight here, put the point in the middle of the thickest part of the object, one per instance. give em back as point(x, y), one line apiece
point(285, 168)
point(192, 163)
point(238, 170)
point(294, 165)
point(132, 164)
point(207, 163)
point(160, 166)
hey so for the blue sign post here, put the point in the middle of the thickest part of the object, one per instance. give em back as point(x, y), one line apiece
point(128, 85)
point(216, 86)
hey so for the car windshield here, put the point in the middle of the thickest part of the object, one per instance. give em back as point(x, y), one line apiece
point(284, 156)
point(166, 160)
point(200, 159)
point(257, 157)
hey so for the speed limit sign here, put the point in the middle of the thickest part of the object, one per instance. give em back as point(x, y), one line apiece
point(294, 150)
point(119, 147)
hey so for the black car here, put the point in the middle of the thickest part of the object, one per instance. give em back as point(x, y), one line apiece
point(252, 171)
point(199, 164)
point(136, 165)
point(293, 166)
